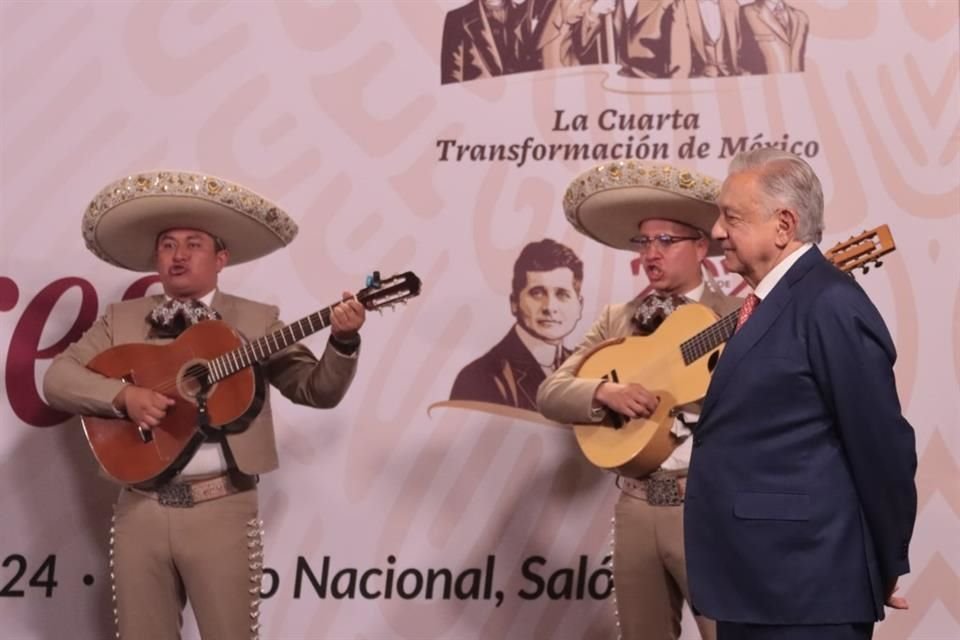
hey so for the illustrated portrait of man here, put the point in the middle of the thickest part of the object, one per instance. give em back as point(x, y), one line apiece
point(546, 304)
point(712, 30)
point(551, 25)
point(482, 39)
point(635, 33)
point(774, 37)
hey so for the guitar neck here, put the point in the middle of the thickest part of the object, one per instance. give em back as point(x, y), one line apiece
point(709, 339)
point(855, 253)
point(262, 348)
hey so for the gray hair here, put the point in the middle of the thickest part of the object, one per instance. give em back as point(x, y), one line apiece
point(786, 179)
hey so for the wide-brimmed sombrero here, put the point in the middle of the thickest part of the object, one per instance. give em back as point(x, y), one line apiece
point(122, 222)
point(609, 201)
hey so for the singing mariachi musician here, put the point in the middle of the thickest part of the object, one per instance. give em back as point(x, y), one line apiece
point(196, 535)
point(663, 213)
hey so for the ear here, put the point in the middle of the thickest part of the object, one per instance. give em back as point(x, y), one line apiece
point(702, 246)
point(787, 223)
point(513, 305)
point(223, 257)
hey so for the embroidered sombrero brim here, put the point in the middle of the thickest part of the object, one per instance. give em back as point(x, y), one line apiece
point(609, 201)
point(122, 222)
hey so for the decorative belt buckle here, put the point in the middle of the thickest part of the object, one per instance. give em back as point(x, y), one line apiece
point(663, 492)
point(175, 494)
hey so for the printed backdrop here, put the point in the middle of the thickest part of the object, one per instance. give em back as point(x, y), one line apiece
point(409, 136)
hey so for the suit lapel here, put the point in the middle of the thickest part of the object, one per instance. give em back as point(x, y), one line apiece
point(771, 21)
point(145, 328)
point(713, 300)
point(730, 13)
point(523, 367)
point(223, 305)
point(695, 27)
point(765, 315)
point(482, 38)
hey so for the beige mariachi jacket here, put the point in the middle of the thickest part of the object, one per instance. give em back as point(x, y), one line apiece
point(69, 386)
point(564, 397)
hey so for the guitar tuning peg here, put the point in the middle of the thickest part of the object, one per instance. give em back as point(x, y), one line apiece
point(373, 280)
point(866, 269)
point(878, 263)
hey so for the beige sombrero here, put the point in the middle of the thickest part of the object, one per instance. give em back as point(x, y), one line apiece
point(609, 201)
point(123, 221)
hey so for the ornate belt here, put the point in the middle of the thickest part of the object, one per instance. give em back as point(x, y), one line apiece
point(659, 490)
point(187, 493)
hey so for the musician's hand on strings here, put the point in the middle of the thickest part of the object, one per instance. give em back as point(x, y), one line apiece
point(347, 317)
point(145, 407)
point(631, 400)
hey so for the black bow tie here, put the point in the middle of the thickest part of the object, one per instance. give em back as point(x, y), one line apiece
point(172, 317)
point(653, 310)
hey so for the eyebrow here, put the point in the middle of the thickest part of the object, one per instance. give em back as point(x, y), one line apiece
point(167, 236)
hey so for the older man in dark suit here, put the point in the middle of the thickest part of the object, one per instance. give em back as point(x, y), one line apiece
point(801, 499)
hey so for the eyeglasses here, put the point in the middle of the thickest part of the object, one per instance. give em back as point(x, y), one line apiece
point(663, 241)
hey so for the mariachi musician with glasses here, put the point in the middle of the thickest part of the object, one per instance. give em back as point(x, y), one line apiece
point(665, 214)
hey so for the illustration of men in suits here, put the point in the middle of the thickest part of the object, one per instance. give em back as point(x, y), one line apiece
point(547, 305)
point(196, 535)
point(668, 38)
point(712, 29)
point(801, 499)
point(662, 212)
point(774, 38)
point(482, 39)
point(552, 25)
point(635, 33)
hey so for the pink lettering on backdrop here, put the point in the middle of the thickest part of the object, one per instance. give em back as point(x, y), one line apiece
point(25, 349)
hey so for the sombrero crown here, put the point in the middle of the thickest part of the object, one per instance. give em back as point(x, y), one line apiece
point(609, 201)
point(122, 222)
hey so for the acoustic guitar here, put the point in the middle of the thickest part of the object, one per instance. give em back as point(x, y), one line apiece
point(675, 363)
point(211, 373)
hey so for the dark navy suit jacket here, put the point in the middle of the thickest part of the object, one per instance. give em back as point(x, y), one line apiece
point(801, 498)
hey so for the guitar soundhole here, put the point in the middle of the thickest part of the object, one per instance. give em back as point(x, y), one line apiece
point(712, 362)
point(194, 379)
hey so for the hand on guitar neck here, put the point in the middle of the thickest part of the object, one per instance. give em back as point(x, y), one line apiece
point(631, 400)
point(347, 317)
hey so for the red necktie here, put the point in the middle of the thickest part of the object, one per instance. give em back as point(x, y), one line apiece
point(749, 304)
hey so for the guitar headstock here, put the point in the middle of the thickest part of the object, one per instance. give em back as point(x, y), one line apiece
point(386, 292)
point(862, 251)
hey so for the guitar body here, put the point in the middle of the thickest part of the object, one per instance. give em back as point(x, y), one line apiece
point(171, 369)
point(638, 447)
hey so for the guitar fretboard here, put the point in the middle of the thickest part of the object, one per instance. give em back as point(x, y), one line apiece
point(709, 339)
point(262, 348)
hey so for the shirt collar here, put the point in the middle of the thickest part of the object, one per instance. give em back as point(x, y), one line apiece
point(695, 294)
point(207, 299)
point(545, 354)
point(769, 281)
